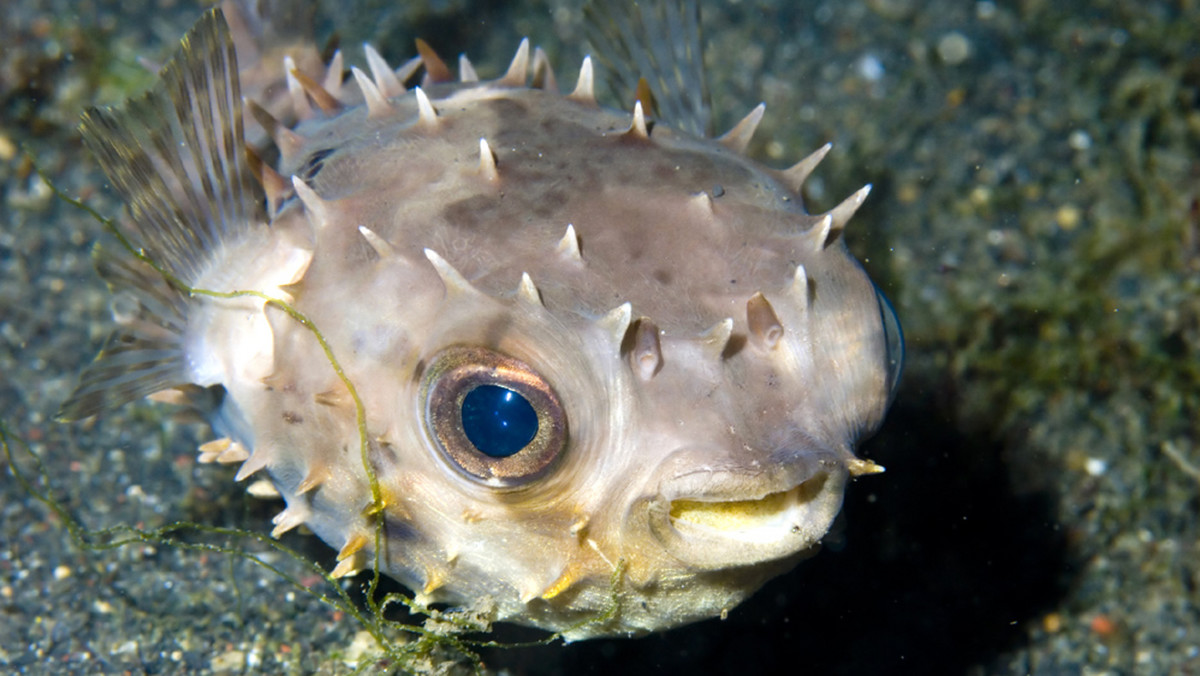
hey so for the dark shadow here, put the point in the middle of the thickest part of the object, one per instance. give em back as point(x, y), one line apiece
point(941, 566)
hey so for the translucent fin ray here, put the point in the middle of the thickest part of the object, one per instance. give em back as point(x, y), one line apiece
point(177, 157)
point(661, 42)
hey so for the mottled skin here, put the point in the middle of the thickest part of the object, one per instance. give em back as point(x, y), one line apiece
point(704, 452)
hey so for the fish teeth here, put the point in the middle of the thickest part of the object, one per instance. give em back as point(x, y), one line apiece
point(518, 70)
point(377, 105)
point(765, 327)
point(738, 138)
point(795, 175)
point(585, 86)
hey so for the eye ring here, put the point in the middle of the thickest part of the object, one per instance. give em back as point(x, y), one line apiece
point(456, 372)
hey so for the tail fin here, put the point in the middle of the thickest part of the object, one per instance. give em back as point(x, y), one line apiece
point(176, 155)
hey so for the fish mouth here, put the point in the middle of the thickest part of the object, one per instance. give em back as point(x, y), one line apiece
point(778, 508)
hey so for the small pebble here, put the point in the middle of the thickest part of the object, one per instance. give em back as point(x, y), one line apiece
point(8, 149)
point(1067, 216)
point(233, 660)
point(953, 48)
point(1079, 140)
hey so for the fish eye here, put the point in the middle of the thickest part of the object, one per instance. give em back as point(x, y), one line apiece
point(492, 416)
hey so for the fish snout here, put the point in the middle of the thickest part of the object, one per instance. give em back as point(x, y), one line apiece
point(715, 509)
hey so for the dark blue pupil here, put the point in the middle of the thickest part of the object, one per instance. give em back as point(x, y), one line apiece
point(498, 421)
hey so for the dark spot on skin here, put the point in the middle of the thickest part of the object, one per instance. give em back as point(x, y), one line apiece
point(292, 418)
point(508, 109)
point(398, 530)
point(313, 165)
point(662, 276)
point(474, 212)
point(550, 203)
point(736, 342)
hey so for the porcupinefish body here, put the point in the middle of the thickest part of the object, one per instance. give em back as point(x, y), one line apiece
point(601, 375)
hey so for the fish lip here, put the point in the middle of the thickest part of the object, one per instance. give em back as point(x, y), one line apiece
point(725, 514)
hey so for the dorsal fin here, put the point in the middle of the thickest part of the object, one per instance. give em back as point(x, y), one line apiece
point(166, 156)
point(661, 42)
point(176, 157)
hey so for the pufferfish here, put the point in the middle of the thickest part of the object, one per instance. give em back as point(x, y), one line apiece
point(600, 374)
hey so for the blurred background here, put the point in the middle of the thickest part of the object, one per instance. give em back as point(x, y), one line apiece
point(1035, 220)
